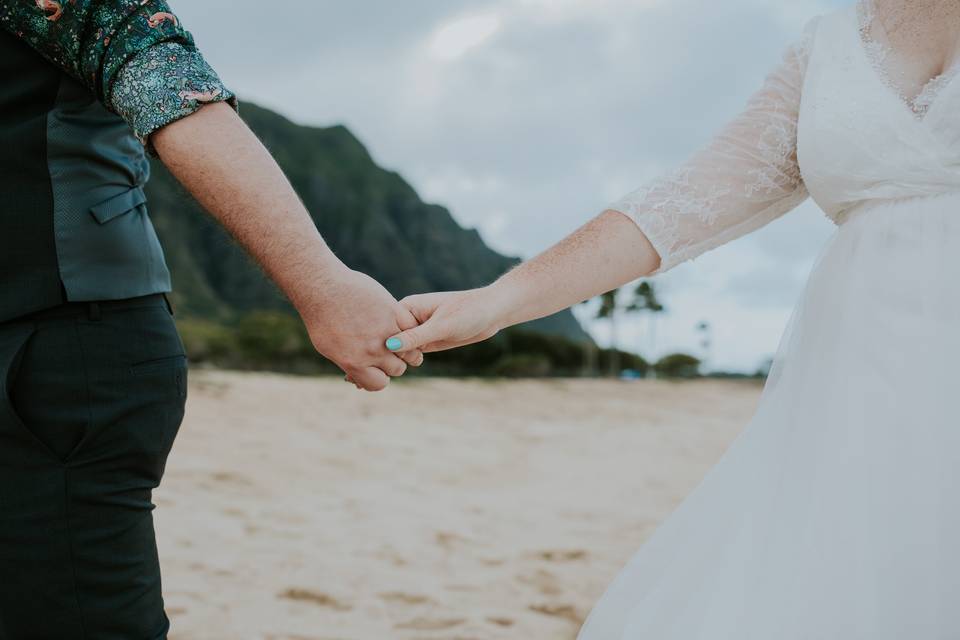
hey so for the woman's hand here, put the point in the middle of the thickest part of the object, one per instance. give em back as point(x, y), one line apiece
point(449, 320)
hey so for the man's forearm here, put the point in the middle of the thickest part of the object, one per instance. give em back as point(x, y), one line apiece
point(348, 314)
point(606, 253)
point(223, 164)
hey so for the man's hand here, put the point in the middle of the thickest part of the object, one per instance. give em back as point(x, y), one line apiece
point(347, 322)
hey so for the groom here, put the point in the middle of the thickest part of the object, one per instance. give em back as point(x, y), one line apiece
point(92, 371)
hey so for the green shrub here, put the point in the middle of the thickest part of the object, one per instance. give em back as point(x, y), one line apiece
point(526, 365)
point(474, 359)
point(678, 365)
point(267, 340)
point(206, 341)
point(563, 356)
point(625, 360)
point(267, 335)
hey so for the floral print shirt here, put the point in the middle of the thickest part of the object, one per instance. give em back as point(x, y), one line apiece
point(134, 55)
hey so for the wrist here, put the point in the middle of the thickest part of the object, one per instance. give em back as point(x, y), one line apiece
point(320, 285)
point(505, 300)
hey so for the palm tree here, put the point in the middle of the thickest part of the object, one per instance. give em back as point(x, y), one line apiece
point(591, 355)
point(608, 311)
point(705, 342)
point(645, 300)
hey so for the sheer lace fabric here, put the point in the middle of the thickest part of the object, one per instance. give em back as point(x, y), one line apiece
point(745, 177)
point(902, 39)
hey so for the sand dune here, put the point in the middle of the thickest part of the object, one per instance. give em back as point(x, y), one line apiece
point(300, 509)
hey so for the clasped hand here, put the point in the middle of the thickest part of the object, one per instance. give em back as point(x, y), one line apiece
point(373, 337)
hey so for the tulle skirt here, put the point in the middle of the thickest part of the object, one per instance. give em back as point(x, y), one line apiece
point(835, 515)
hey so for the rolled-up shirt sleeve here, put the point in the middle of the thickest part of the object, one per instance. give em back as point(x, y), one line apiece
point(134, 55)
point(162, 84)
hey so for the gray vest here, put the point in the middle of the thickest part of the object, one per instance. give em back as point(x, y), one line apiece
point(73, 218)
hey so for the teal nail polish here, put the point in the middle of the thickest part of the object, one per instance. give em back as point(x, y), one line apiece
point(394, 344)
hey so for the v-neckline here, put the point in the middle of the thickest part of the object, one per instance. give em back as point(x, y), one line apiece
point(930, 92)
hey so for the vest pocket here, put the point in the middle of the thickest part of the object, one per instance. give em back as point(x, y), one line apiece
point(119, 204)
point(109, 249)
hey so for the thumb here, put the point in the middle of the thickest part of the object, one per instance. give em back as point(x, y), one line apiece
point(415, 338)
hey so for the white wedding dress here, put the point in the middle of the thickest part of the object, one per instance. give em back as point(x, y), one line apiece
point(835, 515)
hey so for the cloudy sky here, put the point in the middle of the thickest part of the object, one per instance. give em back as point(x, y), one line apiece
point(526, 117)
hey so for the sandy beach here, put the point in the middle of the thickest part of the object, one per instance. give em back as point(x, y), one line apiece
point(301, 509)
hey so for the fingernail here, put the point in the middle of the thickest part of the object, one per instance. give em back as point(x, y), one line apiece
point(394, 344)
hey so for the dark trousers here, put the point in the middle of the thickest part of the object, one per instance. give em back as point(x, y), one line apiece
point(91, 399)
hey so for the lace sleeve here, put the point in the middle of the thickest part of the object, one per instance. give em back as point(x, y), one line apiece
point(744, 178)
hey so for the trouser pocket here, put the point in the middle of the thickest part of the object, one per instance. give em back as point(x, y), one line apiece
point(137, 386)
point(17, 439)
point(48, 390)
point(110, 389)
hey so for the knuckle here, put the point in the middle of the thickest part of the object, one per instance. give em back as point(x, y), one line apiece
point(415, 359)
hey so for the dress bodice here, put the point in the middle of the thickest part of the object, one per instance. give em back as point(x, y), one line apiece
point(858, 139)
point(830, 121)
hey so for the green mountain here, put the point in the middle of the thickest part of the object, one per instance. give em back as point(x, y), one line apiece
point(371, 217)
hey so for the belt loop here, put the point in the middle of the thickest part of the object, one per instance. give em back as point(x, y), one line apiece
point(93, 311)
point(167, 300)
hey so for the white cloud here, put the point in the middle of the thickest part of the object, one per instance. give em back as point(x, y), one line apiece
point(458, 36)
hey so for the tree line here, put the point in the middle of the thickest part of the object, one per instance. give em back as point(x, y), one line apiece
point(277, 341)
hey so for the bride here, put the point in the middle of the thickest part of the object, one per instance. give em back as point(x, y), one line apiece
point(836, 513)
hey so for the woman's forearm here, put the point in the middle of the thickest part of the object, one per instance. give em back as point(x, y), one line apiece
point(606, 253)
